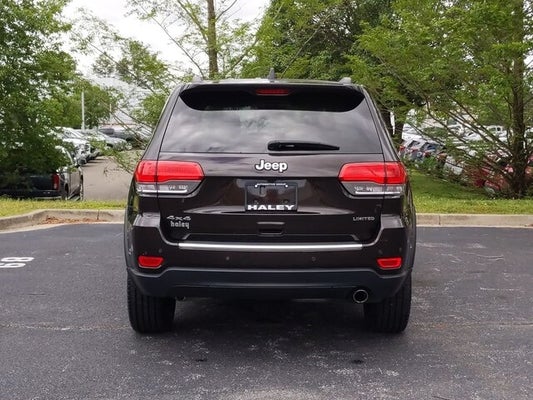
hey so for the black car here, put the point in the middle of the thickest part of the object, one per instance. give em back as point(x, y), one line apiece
point(270, 188)
point(65, 183)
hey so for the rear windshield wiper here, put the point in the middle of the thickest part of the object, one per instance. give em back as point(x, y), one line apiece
point(295, 145)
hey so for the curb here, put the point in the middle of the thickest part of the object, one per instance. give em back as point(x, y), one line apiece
point(40, 217)
point(476, 220)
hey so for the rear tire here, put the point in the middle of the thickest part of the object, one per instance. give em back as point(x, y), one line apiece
point(392, 314)
point(149, 314)
point(64, 193)
point(81, 191)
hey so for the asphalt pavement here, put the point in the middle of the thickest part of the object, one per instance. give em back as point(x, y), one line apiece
point(64, 330)
point(105, 180)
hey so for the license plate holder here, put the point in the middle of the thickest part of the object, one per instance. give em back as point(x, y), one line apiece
point(271, 197)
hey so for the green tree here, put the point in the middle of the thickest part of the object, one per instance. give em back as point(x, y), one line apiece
point(467, 60)
point(104, 65)
point(141, 67)
point(33, 70)
point(204, 31)
point(99, 104)
point(151, 108)
point(317, 39)
point(304, 39)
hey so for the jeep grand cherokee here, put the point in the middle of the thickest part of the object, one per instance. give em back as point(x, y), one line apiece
point(270, 188)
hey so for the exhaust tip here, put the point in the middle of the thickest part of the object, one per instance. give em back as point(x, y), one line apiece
point(360, 296)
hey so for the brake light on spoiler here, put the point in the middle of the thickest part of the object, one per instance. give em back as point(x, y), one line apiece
point(272, 92)
point(167, 177)
point(374, 178)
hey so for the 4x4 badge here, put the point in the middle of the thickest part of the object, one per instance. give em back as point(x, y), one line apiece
point(179, 222)
point(268, 166)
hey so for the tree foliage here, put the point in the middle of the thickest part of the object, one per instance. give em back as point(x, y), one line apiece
point(151, 108)
point(205, 32)
point(304, 39)
point(33, 71)
point(318, 40)
point(139, 66)
point(468, 61)
point(99, 103)
point(211, 41)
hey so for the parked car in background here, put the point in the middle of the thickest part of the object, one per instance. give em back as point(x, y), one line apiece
point(103, 142)
point(407, 144)
point(418, 149)
point(496, 182)
point(473, 171)
point(97, 145)
point(410, 132)
point(117, 132)
point(425, 149)
point(64, 183)
point(135, 136)
point(454, 165)
point(79, 146)
point(493, 132)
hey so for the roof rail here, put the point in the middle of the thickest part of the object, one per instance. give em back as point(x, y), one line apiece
point(346, 80)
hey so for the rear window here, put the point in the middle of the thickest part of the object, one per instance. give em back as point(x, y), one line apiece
point(222, 119)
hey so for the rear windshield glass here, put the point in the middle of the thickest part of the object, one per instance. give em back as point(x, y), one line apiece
point(234, 120)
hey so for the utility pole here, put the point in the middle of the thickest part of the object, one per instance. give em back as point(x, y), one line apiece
point(83, 110)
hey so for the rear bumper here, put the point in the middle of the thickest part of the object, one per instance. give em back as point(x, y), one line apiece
point(282, 270)
point(261, 283)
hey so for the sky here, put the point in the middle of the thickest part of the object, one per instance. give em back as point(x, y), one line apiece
point(114, 11)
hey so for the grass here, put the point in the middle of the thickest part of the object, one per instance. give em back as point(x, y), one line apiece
point(431, 195)
point(10, 207)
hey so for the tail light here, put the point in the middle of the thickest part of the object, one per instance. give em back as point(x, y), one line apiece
point(56, 182)
point(167, 177)
point(374, 178)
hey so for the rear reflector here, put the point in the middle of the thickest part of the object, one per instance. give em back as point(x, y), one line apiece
point(169, 177)
point(374, 178)
point(152, 262)
point(389, 263)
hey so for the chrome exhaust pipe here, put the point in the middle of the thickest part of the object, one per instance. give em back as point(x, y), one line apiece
point(360, 296)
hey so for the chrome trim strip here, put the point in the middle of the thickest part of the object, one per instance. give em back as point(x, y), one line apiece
point(303, 247)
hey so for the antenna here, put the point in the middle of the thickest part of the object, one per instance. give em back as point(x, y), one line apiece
point(346, 80)
point(271, 75)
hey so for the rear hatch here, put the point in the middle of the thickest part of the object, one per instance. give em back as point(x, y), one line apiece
point(270, 164)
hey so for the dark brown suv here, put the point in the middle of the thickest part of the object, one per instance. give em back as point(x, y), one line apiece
point(270, 189)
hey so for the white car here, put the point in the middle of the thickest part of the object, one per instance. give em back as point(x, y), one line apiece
point(81, 146)
point(109, 141)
